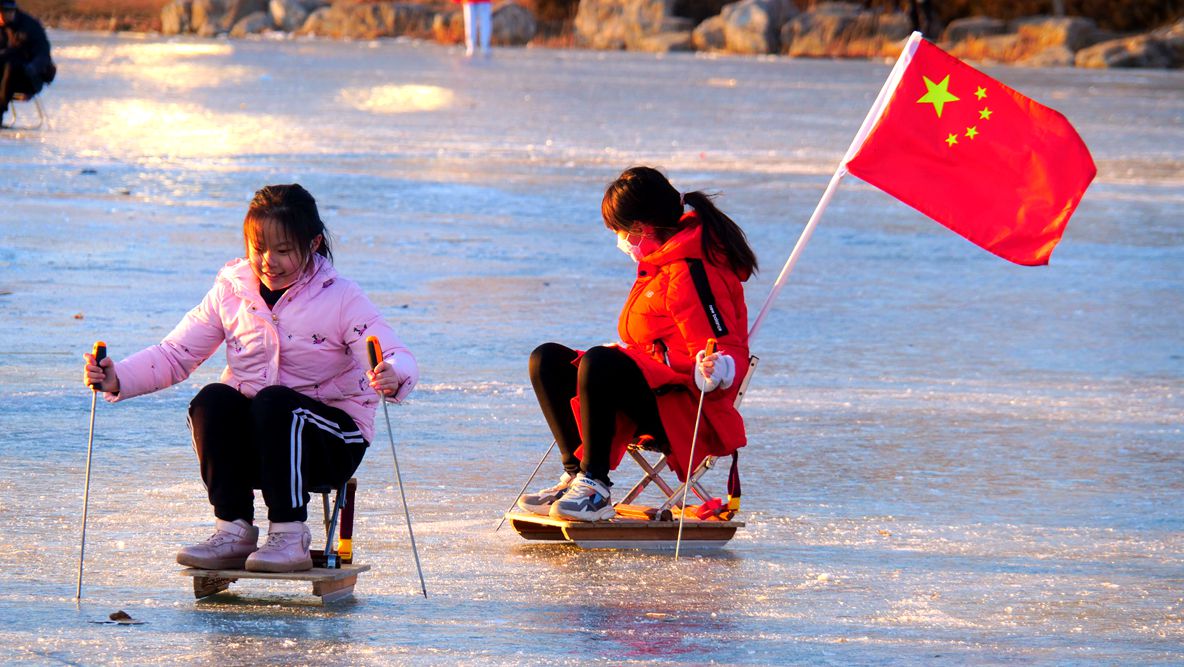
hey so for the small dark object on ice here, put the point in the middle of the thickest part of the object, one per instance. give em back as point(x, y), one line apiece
point(120, 617)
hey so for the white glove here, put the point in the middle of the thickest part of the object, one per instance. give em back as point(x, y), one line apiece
point(721, 374)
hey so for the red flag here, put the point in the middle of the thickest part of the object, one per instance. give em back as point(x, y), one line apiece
point(976, 156)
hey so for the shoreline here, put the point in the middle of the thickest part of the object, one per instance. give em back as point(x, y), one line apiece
point(828, 30)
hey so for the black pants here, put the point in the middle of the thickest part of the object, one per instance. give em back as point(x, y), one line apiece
point(281, 442)
point(609, 383)
point(15, 79)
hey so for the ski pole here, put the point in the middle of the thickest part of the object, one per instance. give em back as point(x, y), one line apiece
point(536, 471)
point(375, 350)
point(100, 352)
point(682, 516)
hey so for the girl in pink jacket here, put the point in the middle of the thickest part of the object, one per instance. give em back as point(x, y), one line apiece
point(295, 406)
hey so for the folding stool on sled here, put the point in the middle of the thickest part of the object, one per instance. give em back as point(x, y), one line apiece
point(642, 527)
point(42, 118)
point(333, 574)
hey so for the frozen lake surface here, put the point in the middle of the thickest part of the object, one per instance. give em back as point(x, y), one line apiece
point(952, 459)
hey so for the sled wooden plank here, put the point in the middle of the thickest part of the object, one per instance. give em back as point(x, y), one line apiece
point(531, 530)
point(315, 574)
point(335, 589)
point(328, 584)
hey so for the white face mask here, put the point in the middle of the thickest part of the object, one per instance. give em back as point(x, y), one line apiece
point(634, 251)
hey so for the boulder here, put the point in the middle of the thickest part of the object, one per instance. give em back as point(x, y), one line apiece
point(754, 26)
point(619, 24)
point(206, 17)
point(1005, 48)
point(449, 27)
point(665, 42)
point(288, 15)
point(698, 11)
point(237, 10)
point(1141, 51)
point(1072, 32)
point(317, 22)
point(252, 24)
point(513, 25)
point(370, 20)
point(843, 29)
point(709, 35)
point(175, 17)
point(973, 26)
point(1052, 56)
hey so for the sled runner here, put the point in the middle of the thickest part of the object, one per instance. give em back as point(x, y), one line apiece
point(708, 525)
point(333, 574)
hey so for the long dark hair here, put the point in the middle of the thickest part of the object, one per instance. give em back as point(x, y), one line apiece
point(294, 210)
point(642, 195)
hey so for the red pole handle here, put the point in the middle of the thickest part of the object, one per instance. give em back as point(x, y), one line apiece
point(711, 345)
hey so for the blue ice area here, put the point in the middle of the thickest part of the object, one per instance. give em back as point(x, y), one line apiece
point(952, 459)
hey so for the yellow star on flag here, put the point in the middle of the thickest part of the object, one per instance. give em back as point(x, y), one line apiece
point(980, 93)
point(951, 140)
point(972, 132)
point(938, 94)
point(985, 114)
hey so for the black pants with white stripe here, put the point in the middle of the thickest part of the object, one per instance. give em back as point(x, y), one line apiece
point(280, 442)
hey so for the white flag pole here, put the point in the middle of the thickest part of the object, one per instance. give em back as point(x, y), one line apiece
point(869, 121)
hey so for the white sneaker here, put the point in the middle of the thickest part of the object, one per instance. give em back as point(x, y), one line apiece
point(540, 503)
point(286, 549)
point(227, 549)
point(586, 499)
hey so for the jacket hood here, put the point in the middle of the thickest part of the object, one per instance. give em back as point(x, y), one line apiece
point(685, 244)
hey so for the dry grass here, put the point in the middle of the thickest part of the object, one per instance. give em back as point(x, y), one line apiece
point(137, 15)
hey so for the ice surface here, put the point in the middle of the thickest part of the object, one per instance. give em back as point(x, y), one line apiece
point(952, 459)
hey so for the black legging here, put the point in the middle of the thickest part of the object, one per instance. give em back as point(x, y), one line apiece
point(609, 383)
point(281, 442)
point(14, 79)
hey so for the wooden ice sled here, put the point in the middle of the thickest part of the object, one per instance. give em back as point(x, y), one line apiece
point(333, 574)
point(623, 532)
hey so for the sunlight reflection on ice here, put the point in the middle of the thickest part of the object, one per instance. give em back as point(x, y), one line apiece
point(398, 98)
point(142, 52)
point(167, 65)
point(145, 128)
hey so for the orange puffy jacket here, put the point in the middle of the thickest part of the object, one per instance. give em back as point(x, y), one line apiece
point(681, 299)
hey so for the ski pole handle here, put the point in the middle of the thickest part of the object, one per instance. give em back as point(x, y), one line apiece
point(374, 348)
point(711, 347)
point(100, 353)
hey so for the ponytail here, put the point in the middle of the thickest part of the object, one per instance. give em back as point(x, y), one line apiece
point(723, 240)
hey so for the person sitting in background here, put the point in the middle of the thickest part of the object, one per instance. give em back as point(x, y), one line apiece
point(25, 63)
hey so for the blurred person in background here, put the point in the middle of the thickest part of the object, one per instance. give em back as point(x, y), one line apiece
point(25, 63)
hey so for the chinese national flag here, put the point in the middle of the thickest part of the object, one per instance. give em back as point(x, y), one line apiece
point(976, 156)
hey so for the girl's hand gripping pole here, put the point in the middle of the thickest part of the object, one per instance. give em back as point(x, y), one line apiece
point(374, 349)
point(682, 516)
point(100, 353)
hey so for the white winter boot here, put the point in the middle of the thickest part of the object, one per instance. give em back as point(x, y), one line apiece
point(227, 549)
point(286, 549)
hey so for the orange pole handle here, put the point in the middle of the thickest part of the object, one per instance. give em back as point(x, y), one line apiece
point(374, 348)
point(100, 353)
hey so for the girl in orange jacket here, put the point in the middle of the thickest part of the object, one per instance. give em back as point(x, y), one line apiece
point(691, 267)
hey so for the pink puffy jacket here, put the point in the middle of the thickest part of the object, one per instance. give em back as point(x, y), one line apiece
point(313, 341)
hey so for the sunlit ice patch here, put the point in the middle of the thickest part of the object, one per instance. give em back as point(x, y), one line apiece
point(142, 53)
point(143, 128)
point(406, 98)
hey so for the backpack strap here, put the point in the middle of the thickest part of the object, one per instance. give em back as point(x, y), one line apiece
point(703, 287)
